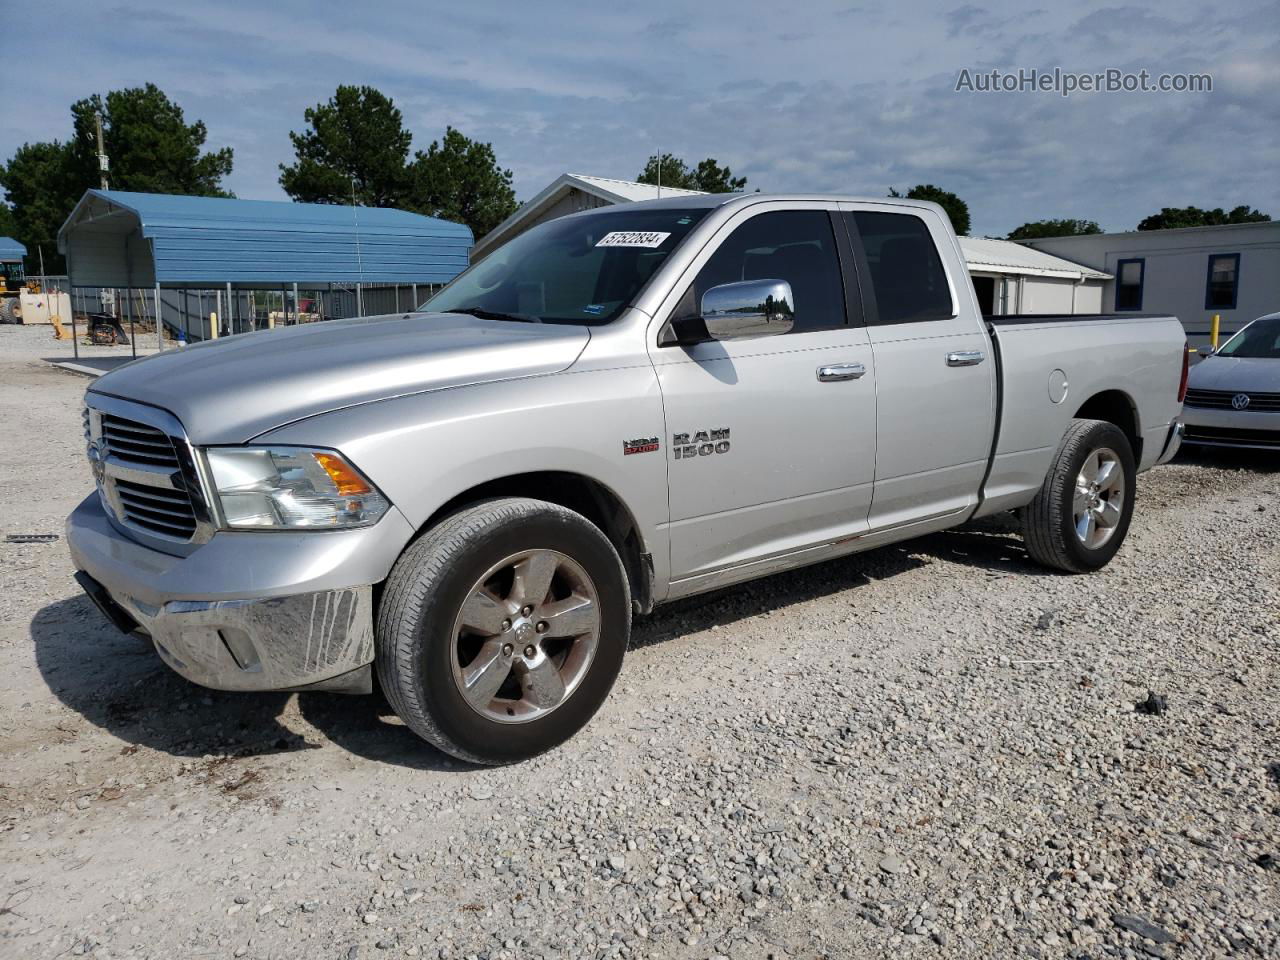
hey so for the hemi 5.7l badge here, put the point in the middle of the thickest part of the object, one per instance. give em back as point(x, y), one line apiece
point(640, 445)
point(702, 443)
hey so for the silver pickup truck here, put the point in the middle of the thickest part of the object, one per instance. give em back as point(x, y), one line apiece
point(616, 409)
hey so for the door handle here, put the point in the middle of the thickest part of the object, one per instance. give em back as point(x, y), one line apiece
point(965, 358)
point(841, 371)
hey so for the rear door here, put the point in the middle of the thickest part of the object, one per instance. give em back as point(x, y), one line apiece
point(935, 378)
point(767, 454)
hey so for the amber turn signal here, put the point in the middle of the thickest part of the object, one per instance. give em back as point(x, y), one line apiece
point(348, 482)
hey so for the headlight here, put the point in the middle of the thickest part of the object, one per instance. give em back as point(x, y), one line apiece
point(283, 488)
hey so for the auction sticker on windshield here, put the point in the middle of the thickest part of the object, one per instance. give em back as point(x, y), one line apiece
point(632, 238)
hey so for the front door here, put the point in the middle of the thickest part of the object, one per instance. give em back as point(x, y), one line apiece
point(768, 453)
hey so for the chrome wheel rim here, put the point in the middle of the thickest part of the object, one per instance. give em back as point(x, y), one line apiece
point(525, 636)
point(1099, 498)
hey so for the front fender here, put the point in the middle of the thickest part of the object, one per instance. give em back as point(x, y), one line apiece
point(424, 451)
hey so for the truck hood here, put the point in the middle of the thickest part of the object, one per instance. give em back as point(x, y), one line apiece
point(233, 389)
point(1242, 374)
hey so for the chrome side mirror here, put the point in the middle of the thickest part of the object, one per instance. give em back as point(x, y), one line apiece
point(749, 308)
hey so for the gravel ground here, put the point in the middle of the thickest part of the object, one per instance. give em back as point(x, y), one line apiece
point(928, 750)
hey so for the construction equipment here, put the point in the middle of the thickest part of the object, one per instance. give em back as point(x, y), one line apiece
point(12, 279)
point(26, 301)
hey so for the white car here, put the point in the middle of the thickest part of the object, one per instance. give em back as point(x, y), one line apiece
point(1233, 395)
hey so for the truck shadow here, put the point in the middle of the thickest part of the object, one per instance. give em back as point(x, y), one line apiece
point(986, 543)
point(117, 682)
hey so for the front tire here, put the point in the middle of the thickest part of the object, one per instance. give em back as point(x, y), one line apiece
point(1080, 516)
point(502, 629)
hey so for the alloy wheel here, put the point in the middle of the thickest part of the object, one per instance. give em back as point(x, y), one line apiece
point(525, 636)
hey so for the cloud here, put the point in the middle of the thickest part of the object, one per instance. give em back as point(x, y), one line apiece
point(820, 96)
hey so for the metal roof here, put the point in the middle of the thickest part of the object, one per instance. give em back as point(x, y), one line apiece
point(118, 238)
point(606, 190)
point(1005, 256)
point(620, 190)
point(11, 249)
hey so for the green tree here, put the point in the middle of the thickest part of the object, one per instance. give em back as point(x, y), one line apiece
point(152, 149)
point(1170, 218)
point(957, 210)
point(8, 225)
point(707, 176)
point(357, 140)
point(151, 146)
point(39, 184)
point(459, 179)
point(1053, 228)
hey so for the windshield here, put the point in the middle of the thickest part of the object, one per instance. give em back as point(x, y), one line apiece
point(1260, 339)
point(572, 270)
point(11, 270)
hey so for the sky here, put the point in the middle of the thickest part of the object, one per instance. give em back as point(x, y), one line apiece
point(803, 96)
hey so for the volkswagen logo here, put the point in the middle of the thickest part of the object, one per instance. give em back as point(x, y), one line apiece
point(1240, 401)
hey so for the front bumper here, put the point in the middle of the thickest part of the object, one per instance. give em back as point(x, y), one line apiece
point(246, 611)
point(1247, 429)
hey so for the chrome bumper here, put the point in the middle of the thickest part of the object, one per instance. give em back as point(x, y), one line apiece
point(1173, 443)
point(245, 611)
point(318, 641)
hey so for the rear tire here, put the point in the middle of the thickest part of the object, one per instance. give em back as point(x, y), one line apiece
point(1080, 516)
point(8, 309)
point(502, 629)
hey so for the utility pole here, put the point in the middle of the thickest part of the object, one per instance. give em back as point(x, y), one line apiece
point(102, 155)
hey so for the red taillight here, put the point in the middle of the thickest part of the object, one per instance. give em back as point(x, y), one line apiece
point(1186, 367)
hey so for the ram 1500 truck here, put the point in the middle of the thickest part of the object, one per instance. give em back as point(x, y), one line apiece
point(616, 409)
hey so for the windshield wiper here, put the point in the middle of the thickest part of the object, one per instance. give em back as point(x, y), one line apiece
point(482, 314)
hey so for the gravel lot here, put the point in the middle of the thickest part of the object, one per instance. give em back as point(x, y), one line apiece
point(929, 750)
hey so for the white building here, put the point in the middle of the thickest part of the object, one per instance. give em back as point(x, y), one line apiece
point(1192, 273)
point(1008, 277)
point(1011, 278)
point(569, 193)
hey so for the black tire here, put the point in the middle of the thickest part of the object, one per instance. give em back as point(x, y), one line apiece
point(8, 309)
point(1048, 526)
point(415, 637)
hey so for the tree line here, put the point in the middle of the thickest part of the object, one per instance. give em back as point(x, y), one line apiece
point(1169, 218)
point(355, 148)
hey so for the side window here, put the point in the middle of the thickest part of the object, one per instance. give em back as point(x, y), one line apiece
point(797, 246)
point(1223, 282)
point(906, 272)
point(1129, 277)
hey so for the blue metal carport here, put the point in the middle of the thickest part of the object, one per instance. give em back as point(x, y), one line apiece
point(11, 250)
point(119, 239)
point(114, 238)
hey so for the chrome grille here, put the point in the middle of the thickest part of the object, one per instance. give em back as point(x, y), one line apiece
point(1221, 400)
point(132, 442)
point(146, 474)
point(167, 512)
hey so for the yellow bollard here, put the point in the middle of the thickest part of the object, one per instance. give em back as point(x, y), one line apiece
point(213, 326)
point(1213, 330)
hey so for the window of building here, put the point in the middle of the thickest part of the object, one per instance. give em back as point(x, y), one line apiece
point(906, 272)
point(1223, 281)
point(1129, 277)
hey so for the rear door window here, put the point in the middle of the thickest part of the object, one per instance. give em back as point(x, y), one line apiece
point(907, 278)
